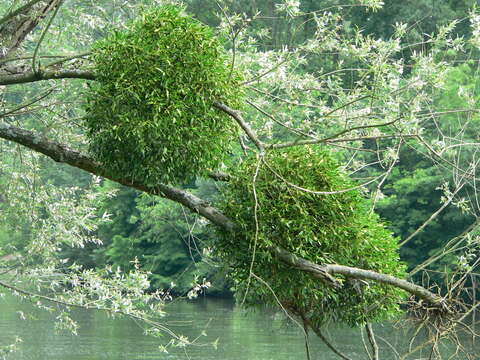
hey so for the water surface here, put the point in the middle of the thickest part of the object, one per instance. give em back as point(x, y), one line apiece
point(260, 335)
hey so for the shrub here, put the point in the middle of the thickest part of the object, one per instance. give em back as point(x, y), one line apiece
point(150, 113)
point(336, 228)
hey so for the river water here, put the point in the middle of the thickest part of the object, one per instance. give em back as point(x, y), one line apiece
point(260, 335)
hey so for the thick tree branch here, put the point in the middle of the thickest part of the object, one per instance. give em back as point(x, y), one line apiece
point(29, 77)
point(63, 154)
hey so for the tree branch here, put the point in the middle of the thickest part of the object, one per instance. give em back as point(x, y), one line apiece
point(325, 272)
point(18, 11)
point(373, 342)
point(15, 28)
point(28, 77)
point(63, 154)
point(239, 119)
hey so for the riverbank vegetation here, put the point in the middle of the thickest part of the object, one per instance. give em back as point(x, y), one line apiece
point(316, 157)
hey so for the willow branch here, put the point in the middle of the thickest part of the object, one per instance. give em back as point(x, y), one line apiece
point(239, 119)
point(35, 296)
point(29, 77)
point(326, 271)
point(63, 154)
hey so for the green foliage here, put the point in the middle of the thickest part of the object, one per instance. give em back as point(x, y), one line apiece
point(150, 114)
point(414, 189)
point(167, 241)
point(335, 228)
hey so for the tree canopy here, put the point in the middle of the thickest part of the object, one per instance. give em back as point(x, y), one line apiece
point(285, 125)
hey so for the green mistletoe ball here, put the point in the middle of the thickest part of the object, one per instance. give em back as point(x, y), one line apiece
point(149, 115)
point(335, 228)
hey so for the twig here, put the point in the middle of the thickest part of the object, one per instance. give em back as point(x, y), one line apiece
point(18, 11)
point(47, 27)
point(328, 343)
point(88, 307)
point(23, 106)
point(239, 119)
point(333, 140)
point(298, 132)
point(432, 217)
point(321, 192)
point(373, 342)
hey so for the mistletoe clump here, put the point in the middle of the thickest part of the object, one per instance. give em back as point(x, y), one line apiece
point(150, 113)
point(323, 228)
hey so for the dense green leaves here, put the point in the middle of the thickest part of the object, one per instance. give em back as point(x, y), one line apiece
point(150, 114)
point(324, 228)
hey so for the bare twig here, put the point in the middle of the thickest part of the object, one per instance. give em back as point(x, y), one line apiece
point(18, 11)
point(42, 36)
point(239, 119)
point(322, 337)
point(334, 140)
point(433, 216)
point(373, 342)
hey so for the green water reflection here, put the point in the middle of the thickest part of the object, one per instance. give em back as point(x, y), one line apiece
point(262, 335)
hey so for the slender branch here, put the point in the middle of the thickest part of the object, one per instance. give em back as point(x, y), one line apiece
point(331, 140)
point(15, 29)
point(42, 37)
point(25, 105)
point(450, 247)
point(239, 119)
point(314, 192)
point(433, 216)
point(35, 296)
point(373, 342)
point(29, 77)
point(322, 337)
point(259, 76)
point(18, 11)
point(296, 131)
point(68, 58)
